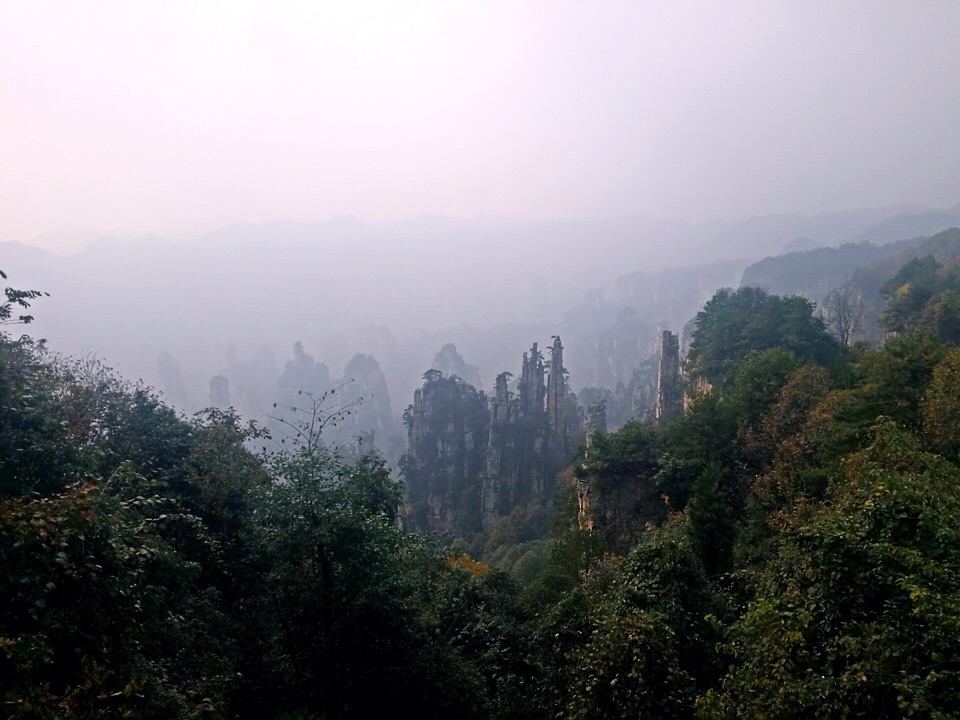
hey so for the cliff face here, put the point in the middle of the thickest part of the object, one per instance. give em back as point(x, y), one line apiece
point(447, 425)
point(669, 390)
point(450, 362)
point(354, 411)
point(371, 419)
point(473, 458)
point(618, 502)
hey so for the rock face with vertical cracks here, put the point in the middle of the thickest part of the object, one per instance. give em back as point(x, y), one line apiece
point(669, 389)
point(474, 457)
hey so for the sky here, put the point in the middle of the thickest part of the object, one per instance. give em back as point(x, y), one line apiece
point(141, 117)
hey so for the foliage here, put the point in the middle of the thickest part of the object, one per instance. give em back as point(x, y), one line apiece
point(735, 323)
point(758, 380)
point(710, 522)
point(102, 618)
point(706, 433)
point(649, 646)
point(924, 296)
point(891, 383)
point(859, 612)
point(185, 548)
point(784, 449)
point(38, 450)
point(14, 299)
point(941, 406)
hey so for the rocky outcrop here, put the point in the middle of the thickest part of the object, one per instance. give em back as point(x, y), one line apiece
point(596, 420)
point(616, 501)
point(450, 362)
point(462, 474)
point(596, 424)
point(446, 426)
point(557, 393)
point(220, 392)
point(634, 400)
point(370, 421)
point(352, 413)
point(531, 388)
point(669, 389)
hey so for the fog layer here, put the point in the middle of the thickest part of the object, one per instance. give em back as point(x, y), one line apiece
point(144, 116)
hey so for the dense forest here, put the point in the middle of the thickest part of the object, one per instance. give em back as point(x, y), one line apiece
point(784, 543)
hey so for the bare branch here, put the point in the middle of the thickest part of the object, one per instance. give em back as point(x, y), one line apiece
point(309, 422)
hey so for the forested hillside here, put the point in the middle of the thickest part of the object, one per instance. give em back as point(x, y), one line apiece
point(781, 542)
point(849, 282)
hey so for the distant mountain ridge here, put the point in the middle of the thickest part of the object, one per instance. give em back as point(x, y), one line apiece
point(860, 269)
point(400, 291)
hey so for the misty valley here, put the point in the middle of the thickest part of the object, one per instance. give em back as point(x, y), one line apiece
point(333, 470)
point(538, 360)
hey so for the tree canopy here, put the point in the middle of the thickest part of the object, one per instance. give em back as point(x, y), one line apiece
point(735, 323)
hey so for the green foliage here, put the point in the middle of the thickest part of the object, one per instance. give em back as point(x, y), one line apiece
point(484, 618)
point(626, 455)
point(758, 381)
point(213, 583)
point(38, 453)
point(517, 543)
point(648, 647)
point(785, 449)
point(347, 591)
point(102, 618)
point(908, 291)
point(859, 612)
point(924, 296)
point(705, 433)
point(16, 299)
point(941, 406)
point(735, 323)
point(185, 577)
point(710, 522)
point(889, 383)
point(574, 555)
point(630, 668)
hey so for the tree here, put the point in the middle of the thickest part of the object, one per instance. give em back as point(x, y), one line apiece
point(735, 323)
point(648, 645)
point(710, 523)
point(941, 406)
point(706, 433)
point(890, 382)
point(38, 452)
point(782, 449)
point(102, 617)
point(856, 614)
point(302, 424)
point(924, 296)
point(907, 292)
point(843, 310)
point(758, 381)
point(17, 299)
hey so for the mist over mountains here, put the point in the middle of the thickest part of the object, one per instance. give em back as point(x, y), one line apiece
point(400, 292)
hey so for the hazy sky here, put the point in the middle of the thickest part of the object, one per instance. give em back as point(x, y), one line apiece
point(140, 116)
